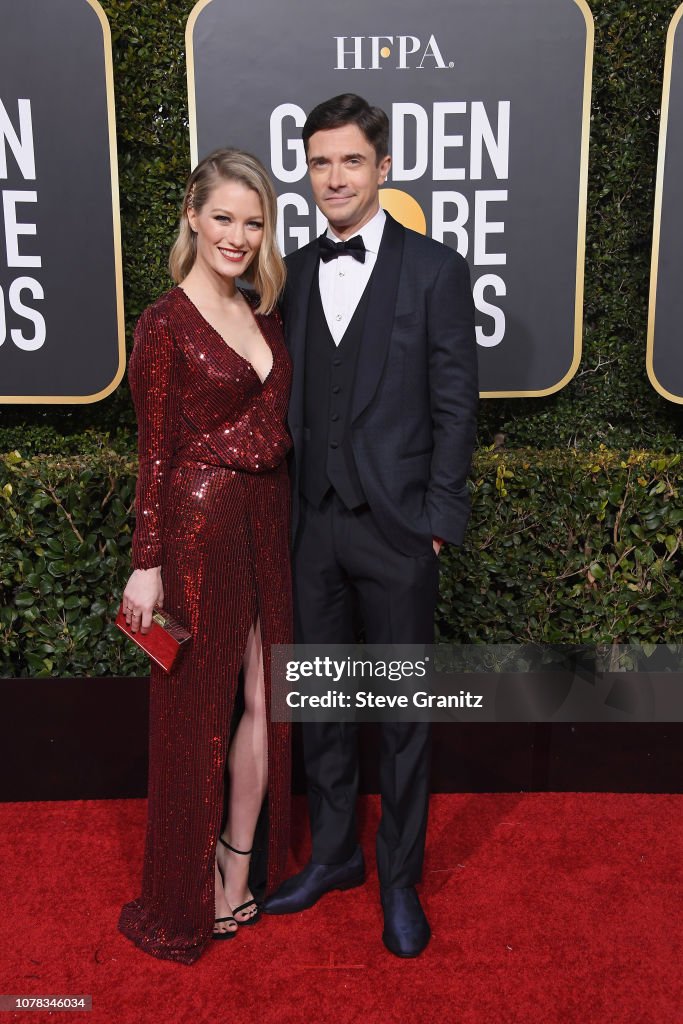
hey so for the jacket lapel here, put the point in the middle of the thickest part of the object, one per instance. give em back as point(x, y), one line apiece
point(379, 316)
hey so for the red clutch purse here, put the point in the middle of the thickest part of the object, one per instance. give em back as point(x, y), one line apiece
point(164, 641)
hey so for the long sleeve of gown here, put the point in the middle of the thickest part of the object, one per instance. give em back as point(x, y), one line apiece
point(153, 376)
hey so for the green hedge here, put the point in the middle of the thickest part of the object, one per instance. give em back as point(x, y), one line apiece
point(65, 531)
point(610, 400)
point(578, 550)
point(570, 547)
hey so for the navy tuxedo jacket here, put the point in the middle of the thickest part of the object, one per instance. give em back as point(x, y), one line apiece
point(413, 413)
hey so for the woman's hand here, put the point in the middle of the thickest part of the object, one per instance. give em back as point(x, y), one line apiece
point(144, 591)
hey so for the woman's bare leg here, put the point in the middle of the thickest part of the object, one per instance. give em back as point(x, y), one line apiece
point(248, 769)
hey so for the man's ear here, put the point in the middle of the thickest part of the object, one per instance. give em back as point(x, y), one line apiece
point(383, 168)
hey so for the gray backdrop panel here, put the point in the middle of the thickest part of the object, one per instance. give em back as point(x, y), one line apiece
point(51, 52)
point(667, 360)
point(250, 58)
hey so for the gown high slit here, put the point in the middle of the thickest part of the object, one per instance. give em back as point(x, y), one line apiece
point(213, 510)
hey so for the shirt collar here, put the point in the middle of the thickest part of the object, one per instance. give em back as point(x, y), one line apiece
point(371, 233)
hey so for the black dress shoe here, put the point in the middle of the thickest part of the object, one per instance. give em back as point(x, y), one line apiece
point(303, 890)
point(406, 929)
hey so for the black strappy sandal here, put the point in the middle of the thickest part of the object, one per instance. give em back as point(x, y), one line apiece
point(250, 903)
point(227, 934)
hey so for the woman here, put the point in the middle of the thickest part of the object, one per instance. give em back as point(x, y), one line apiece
point(210, 378)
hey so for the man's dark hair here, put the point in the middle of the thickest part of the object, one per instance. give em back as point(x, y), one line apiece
point(350, 109)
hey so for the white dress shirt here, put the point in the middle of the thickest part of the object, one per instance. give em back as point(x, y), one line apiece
point(342, 280)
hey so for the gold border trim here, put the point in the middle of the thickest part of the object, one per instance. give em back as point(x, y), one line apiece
point(116, 225)
point(583, 183)
point(582, 212)
point(191, 92)
point(659, 189)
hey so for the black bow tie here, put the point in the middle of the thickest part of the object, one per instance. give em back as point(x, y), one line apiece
point(329, 250)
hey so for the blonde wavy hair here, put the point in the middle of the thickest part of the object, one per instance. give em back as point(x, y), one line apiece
point(267, 272)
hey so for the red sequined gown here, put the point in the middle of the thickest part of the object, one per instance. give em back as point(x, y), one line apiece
point(213, 511)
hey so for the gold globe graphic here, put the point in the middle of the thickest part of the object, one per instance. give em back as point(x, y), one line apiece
point(406, 210)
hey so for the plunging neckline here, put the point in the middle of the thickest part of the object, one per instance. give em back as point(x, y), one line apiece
point(227, 344)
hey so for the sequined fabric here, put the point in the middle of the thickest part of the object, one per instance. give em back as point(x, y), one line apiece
point(213, 510)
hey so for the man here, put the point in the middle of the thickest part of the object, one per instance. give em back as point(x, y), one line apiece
point(380, 325)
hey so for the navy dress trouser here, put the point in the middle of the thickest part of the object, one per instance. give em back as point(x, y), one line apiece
point(344, 568)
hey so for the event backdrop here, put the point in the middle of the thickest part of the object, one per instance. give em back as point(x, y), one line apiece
point(489, 105)
point(664, 350)
point(61, 305)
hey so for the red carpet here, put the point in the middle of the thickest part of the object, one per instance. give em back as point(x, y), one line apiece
point(545, 909)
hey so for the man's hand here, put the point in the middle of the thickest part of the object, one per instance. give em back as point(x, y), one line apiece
point(437, 544)
point(144, 591)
